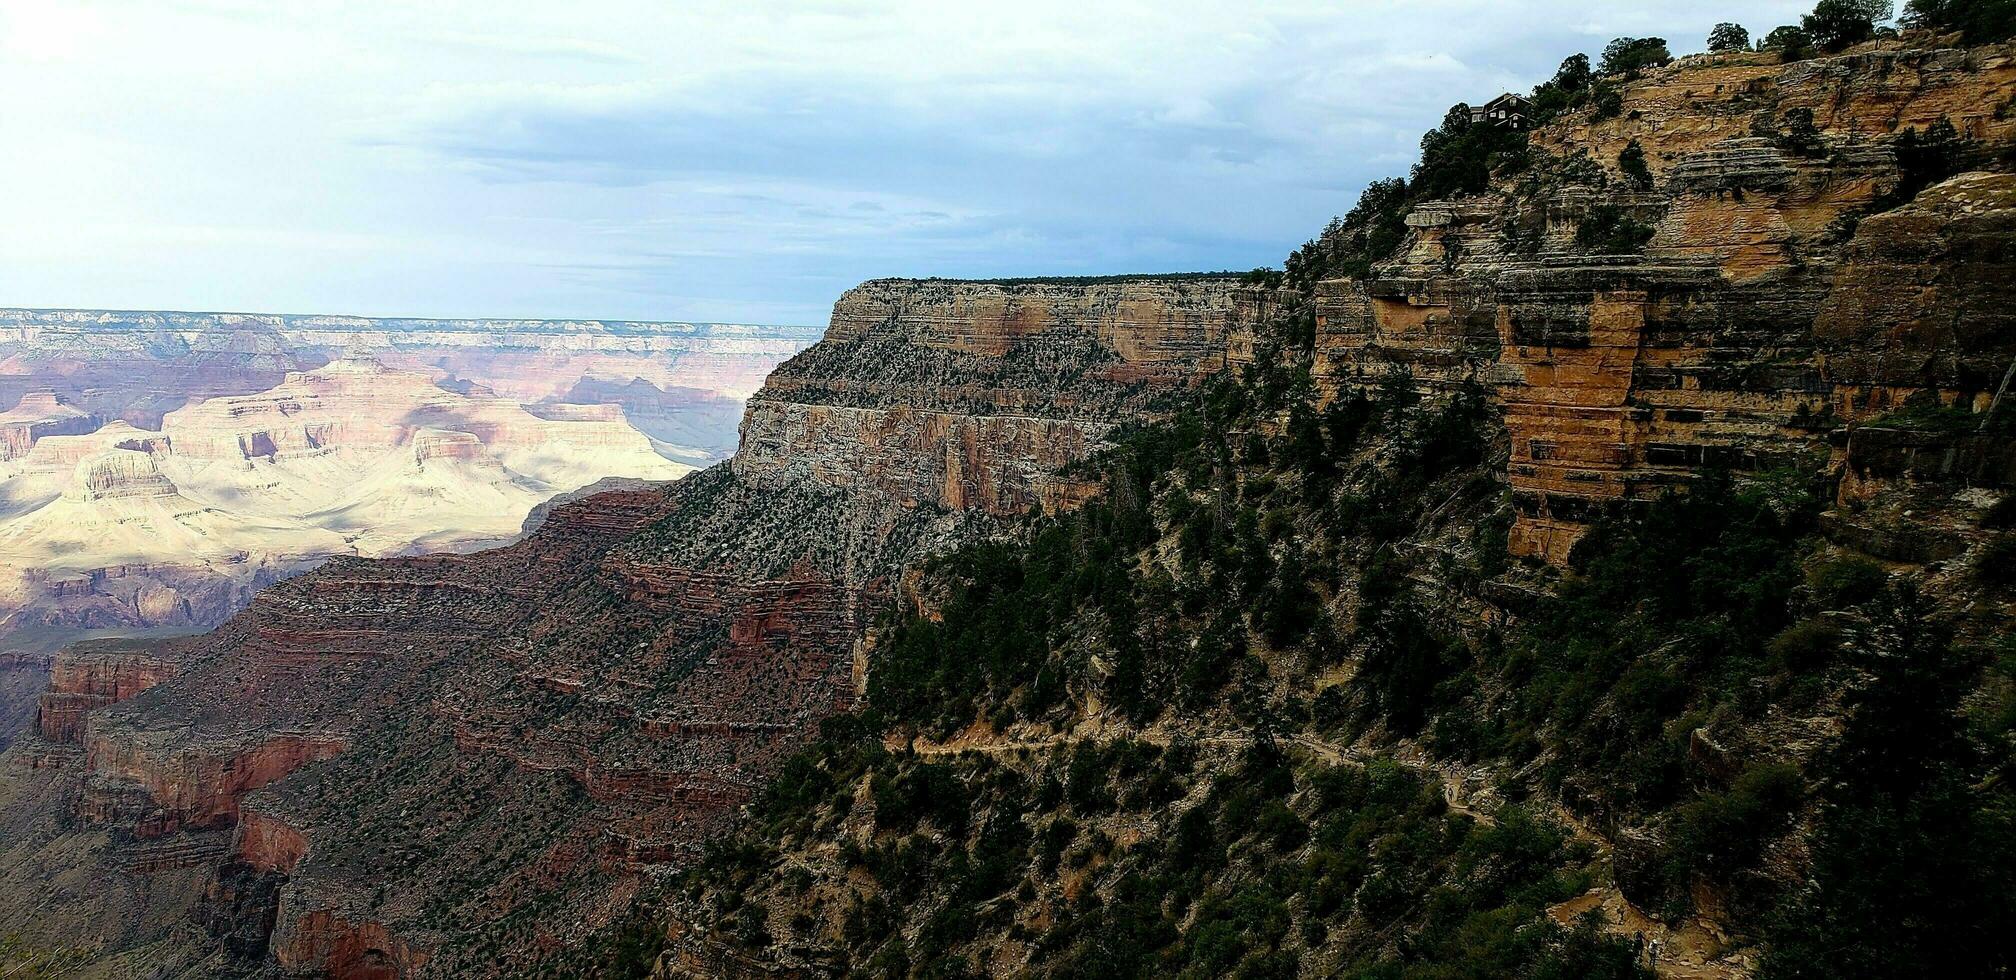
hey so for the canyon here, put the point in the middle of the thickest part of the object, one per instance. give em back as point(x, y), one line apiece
point(474, 764)
point(390, 764)
point(157, 469)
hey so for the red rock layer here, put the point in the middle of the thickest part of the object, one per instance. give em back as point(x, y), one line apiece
point(324, 943)
point(268, 843)
point(82, 680)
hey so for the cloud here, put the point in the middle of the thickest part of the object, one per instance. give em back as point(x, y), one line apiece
point(544, 47)
point(716, 159)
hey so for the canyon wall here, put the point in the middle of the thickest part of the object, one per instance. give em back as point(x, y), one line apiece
point(387, 764)
point(137, 365)
point(1763, 314)
point(463, 764)
point(160, 468)
point(977, 395)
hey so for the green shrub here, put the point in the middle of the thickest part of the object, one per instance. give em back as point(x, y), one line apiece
point(1611, 230)
point(1924, 159)
point(1568, 89)
point(1801, 137)
point(1630, 55)
point(1631, 161)
point(1791, 43)
point(1996, 562)
point(1721, 832)
point(2001, 515)
point(1805, 645)
point(1609, 101)
point(1846, 581)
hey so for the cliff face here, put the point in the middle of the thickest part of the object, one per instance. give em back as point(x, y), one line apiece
point(463, 764)
point(87, 677)
point(976, 395)
point(23, 679)
point(1300, 615)
point(1758, 317)
point(37, 416)
point(380, 762)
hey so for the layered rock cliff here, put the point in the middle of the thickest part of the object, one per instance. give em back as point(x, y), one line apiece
point(37, 416)
point(392, 765)
point(1760, 315)
point(1283, 701)
point(979, 395)
point(1626, 593)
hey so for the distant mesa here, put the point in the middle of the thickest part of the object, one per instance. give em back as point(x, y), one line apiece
point(41, 414)
point(157, 469)
point(120, 474)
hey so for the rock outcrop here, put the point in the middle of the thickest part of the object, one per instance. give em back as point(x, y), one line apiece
point(1760, 315)
point(90, 676)
point(977, 395)
point(402, 754)
point(40, 414)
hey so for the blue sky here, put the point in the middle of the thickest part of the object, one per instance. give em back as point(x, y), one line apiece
point(715, 161)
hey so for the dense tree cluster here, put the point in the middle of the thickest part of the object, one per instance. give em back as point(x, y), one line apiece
point(1978, 21)
point(1630, 55)
point(1836, 24)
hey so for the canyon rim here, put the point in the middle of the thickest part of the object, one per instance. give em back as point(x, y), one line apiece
point(1591, 555)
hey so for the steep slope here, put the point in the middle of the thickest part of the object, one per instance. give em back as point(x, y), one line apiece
point(1584, 562)
point(514, 741)
point(1402, 656)
point(23, 678)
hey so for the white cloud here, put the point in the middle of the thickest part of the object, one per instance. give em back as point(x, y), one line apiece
point(711, 158)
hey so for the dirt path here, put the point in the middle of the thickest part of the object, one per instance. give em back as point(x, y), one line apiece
point(1453, 791)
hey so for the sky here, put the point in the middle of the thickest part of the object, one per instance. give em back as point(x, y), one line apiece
point(718, 161)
